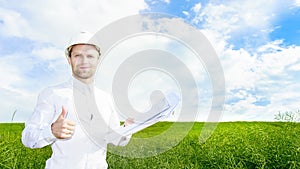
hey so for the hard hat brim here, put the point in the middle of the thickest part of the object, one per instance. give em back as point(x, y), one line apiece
point(69, 49)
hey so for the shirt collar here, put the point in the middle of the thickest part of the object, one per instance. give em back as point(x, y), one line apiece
point(82, 87)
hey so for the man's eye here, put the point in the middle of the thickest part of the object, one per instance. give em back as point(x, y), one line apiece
point(90, 56)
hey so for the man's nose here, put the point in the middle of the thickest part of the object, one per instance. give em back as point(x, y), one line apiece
point(84, 59)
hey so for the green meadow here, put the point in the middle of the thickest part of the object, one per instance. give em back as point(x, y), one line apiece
point(180, 145)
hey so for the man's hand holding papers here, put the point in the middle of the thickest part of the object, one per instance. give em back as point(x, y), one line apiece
point(162, 107)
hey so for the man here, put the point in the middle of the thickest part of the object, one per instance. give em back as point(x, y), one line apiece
point(75, 117)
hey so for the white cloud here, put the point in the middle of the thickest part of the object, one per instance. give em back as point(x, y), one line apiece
point(63, 18)
point(196, 8)
point(235, 17)
point(278, 59)
point(19, 100)
point(13, 97)
point(9, 73)
point(49, 53)
point(238, 65)
point(13, 24)
point(295, 67)
point(267, 76)
point(266, 73)
point(167, 1)
point(186, 13)
point(261, 74)
point(238, 68)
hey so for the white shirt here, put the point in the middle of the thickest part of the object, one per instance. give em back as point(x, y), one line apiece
point(82, 150)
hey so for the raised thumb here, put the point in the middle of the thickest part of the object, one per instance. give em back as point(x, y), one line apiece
point(63, 112)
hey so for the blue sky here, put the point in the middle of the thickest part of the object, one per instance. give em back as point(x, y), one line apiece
point(257, 43)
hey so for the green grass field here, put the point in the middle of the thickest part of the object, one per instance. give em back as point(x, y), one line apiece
point(232, 145)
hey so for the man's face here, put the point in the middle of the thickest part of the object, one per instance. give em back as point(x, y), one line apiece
point(84, 60)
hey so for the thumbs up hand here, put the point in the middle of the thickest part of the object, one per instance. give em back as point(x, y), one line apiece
point(63, 128)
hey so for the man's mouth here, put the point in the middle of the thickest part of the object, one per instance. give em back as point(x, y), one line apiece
point(84, 67)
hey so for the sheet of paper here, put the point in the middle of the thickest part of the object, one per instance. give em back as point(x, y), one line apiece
point(162, 109)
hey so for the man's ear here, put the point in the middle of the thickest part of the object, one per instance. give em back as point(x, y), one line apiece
point(69, 60)
point(98, 61)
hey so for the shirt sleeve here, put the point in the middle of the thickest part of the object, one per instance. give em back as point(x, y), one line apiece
point(114, 123)
point(37, 132)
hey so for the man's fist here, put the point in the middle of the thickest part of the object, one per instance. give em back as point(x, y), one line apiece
point(62, 128)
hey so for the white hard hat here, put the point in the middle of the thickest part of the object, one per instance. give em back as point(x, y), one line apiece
point(82, 37)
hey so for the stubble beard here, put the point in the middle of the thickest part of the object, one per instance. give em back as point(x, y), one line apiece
point(84, 74)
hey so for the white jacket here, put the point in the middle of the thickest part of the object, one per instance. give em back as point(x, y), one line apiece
point(87, 147)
